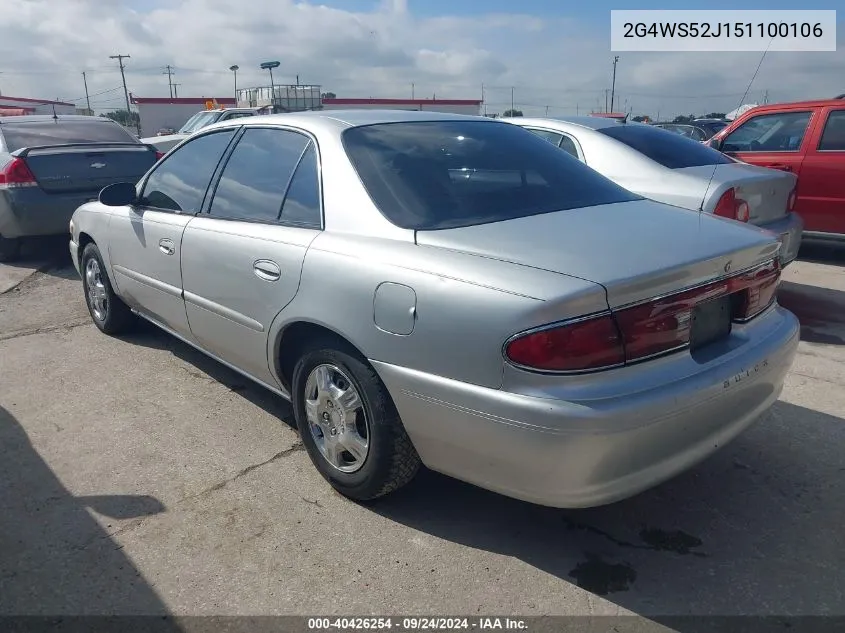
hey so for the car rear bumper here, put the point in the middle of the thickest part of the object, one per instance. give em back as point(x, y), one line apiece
point(788, 230)
point(594, 450)
point(31, 212)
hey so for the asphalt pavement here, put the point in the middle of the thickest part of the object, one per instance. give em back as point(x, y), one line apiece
point(139, 477)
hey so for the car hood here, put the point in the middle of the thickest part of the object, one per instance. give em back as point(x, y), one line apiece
point(636, 250)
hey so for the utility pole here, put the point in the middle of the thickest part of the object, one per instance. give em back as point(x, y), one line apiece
point(605, 100)
point(120, 59)
point(412, 91)
point(547, 110)
point(87, 99)
point(483, 100)
point(766, 97)
point(512, 108)
point(613, 85)
point(175, 93)
point(169, 72)
point(297, 80)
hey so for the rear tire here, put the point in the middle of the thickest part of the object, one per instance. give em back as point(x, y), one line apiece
point(107, 310)
point(352, 410)
point(10, 248)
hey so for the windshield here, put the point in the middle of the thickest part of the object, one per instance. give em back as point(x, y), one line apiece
point(446, 174)
point(33, 134)
point(199, 120)
point(666, 148)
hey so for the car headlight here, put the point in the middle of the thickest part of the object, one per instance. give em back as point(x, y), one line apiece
point(71, 228)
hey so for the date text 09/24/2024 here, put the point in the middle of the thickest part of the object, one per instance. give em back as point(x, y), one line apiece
point(416, 623)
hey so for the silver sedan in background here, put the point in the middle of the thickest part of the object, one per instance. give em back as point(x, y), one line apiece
point(447, 290)
point(670, 168)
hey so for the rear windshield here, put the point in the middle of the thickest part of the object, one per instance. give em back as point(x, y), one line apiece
point(33, 134)
point(664, 147)
point(445, 174)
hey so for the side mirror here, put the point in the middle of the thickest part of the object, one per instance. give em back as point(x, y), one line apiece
point(716, 143)
point(119, 194)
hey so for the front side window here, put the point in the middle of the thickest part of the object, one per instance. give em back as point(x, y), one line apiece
point(833, 136)
point(669, 149)
point(781, 132)
point(236, 115)
point(433, 175)
point(181, 179)
point(198, 121)
point(257, 174)
point(33, 134)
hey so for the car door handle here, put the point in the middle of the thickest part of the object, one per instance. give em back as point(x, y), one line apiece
point(267, 270)
point(780, 167)
point(166, 246)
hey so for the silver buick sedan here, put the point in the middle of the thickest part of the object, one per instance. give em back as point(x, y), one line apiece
point(670, 168)
point(450, 291)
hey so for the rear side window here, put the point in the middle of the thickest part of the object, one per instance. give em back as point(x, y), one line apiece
point(181, 179)
point(31, 134)
point(833, 137)
point(551, 137)
point(257, 175)
point(568, 145)
point(443, 174)
point(666, 148)
point(302, 201)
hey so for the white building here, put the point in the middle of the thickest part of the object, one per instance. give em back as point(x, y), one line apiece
point(25, 105)
point(453, 106)
point(166, 113)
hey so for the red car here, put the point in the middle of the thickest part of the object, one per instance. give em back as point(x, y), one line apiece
point(806, 138)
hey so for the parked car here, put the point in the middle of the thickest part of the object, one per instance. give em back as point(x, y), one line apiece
point(49, 165)
point(806, 139)
point(449, 290)
point(699, 130)
point(165, 142)
point(669, 168)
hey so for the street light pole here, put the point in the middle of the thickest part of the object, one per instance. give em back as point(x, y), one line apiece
point(270, 66)
point(613, 85)
point(234, 70)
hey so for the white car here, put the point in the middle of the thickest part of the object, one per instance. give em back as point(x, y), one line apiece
point(670, 168)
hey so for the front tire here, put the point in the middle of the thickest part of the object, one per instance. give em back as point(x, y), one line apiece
point(10, 249)
point(107, 310)
point(349, 424)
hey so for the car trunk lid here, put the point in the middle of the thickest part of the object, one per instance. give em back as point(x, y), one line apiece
point(83, 167)
point(766, 191)
point(636, 250)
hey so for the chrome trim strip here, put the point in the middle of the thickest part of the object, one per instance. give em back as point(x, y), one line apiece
point(822, 235)
point(275, 390)
point(148, 281)
point(716, 280)
point(223, 311)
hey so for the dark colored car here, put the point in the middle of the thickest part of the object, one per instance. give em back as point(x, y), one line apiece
point(50, 165)
point(698, 129)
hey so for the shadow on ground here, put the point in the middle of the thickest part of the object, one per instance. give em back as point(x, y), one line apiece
point(751, 531)
point(55, 559)
point(821, 311)
point(822, 253)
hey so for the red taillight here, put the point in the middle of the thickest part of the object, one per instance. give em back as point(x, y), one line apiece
point(586, 344)
point(159, 155)
point(729, 206)
point(641, 331)
point(793, 197)
point(16, 174)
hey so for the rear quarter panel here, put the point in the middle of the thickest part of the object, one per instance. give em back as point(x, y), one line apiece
point(464, 307)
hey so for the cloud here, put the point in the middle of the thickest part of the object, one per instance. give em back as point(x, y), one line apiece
point(563, 64)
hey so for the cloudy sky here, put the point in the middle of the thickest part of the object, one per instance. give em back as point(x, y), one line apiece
point(554, 54)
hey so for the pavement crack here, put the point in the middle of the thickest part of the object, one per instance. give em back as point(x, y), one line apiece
point(297, 446)
point(819, 378)
point(65, 327)
point(315, 502)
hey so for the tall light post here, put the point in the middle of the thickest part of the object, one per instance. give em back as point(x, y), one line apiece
point(270, 66)
point(613, 88)
point(234, 70)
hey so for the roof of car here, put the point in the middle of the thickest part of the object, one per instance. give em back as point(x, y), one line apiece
point(346, 118)
point(812, 103)
point(45, 118)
